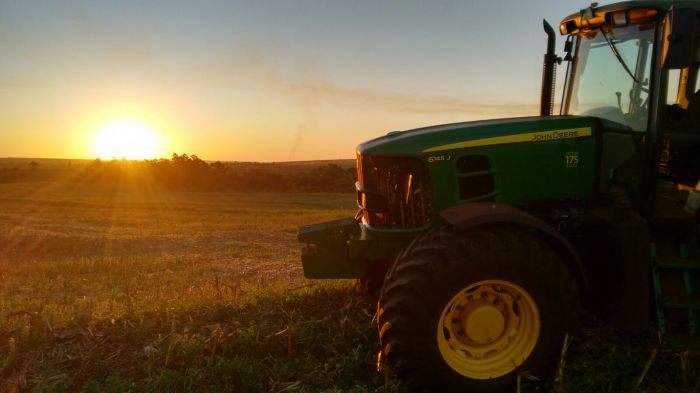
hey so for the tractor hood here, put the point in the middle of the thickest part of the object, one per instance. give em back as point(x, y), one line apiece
point(420, 142)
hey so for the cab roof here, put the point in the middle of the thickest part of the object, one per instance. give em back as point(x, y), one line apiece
point(574, 22)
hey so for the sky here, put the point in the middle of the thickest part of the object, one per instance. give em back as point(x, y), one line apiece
point(262, 80)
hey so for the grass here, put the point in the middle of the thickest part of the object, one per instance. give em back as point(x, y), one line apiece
point(103, 289)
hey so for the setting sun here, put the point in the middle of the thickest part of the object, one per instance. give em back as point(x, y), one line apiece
point(130, 139)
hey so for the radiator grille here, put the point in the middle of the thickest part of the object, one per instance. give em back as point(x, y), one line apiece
point(405, 186)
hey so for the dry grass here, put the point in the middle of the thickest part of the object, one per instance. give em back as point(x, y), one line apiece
point(103, 289)
point(155, 290)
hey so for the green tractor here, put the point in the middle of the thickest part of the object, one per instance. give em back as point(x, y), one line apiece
point(483, 240)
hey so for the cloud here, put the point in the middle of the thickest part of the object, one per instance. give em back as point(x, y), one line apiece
point(271, 67)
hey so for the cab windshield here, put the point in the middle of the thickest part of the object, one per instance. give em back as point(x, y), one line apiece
point(611, 75)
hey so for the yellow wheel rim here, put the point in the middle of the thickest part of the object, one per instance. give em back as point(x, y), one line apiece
point(488, 329)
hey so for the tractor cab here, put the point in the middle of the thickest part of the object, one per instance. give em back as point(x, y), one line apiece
point(634, 66)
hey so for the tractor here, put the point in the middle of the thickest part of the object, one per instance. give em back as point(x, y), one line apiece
point(484, 240)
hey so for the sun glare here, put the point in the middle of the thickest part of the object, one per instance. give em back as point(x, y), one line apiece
point(130, 139)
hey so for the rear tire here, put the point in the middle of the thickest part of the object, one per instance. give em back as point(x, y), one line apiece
point(468, 310)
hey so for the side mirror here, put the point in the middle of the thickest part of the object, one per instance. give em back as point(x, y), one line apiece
point(679, 34)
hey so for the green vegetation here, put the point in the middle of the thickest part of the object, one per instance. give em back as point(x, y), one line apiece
point(160, 291)
point(188, 172)
point(136, 290)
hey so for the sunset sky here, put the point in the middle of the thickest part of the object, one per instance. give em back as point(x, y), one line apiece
point(261, 80)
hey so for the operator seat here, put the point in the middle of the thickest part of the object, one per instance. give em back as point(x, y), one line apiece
point(684, 144)
point(691, 119)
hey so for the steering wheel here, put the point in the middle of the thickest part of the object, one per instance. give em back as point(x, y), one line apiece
point(636, 105)
point(637, 116)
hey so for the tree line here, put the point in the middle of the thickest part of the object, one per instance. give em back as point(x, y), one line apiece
point(189, 172)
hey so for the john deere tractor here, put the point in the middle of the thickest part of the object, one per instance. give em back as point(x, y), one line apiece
point(483, 240)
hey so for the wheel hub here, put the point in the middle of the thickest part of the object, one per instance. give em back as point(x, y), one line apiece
point(485, 324)
point(488, 329)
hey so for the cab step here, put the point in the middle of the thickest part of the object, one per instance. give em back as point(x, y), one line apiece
point(676, 282)
point(680, 264)
point(681, 302)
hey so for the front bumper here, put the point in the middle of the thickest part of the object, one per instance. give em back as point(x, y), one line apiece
point(344, 249)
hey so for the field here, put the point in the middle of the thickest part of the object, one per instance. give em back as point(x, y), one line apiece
point(143, 289)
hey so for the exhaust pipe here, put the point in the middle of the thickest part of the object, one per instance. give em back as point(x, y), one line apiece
point(548, 73)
